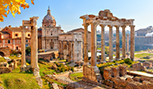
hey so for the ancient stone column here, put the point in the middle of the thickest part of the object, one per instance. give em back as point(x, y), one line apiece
point(62, 57)
point(85, 44)
point(102, 43)
point(23, 48)
point(123, 42)
point(69, 51)
point(110, 43)
point(34, 46)
point(132, 42)
point(93, 45)
point(127, 45)
point(117, 43)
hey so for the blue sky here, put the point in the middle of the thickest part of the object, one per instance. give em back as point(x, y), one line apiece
point(67, 12)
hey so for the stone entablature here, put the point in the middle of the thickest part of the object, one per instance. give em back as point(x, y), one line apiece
point(70, 46)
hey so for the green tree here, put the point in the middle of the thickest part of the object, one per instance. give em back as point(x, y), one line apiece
point(28, 50)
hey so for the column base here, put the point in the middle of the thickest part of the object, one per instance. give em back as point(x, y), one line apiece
point(36, 72)
point(23, 69)
point(92, 73)
point(132, 59)
point(86, 63)
point(117, 59)
point(111, 60)
point(103, 61)
point(39, 81)
point(95, 68)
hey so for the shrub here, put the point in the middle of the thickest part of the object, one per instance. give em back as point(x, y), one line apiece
point(72, 69)
point(128, 61)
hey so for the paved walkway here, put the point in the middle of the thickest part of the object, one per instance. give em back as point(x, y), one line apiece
point(80, 85)
point(142, 74)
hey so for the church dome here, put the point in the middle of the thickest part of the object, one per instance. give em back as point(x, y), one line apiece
point(49, 20)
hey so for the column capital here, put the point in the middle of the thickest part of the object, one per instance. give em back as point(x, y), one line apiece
point(117, 26)
point(102, 25)
point(110, 26)
point(123, 26)
point(85, 24)
point(131, 25)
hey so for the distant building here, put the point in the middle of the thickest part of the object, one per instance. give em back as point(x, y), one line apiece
point(144, 39)
point(82, 31)
point(11, 37)
point(144, 31)
point(48, 37)
point(71, 46)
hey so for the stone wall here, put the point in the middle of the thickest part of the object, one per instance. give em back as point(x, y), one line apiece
point(91, 76)
point(5, 70)
point(116, 77)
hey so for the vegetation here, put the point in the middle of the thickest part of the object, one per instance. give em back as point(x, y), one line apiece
point(106, 49)
point(62, 68)
point(127, 62)
point(17, 80)
point(12, 6)
point(14, 57)
point(45, 69)
point(76, 76)
point(143, 55)
point(28, 50)
point(2, 59)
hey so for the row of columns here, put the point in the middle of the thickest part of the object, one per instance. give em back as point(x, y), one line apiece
point(94, 48)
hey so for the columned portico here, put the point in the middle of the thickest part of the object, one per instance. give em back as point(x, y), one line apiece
point(105, 18)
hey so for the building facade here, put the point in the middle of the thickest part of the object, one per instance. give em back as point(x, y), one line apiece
point(11, 37)
point(82, 31)
point(71, 46)
point(49, 33)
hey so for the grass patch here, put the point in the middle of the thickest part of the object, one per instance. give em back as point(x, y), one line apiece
point(143, 55)
point(17, 80)
point(76, 76)
point(43, 69)
point(14, 57)
point(2, 59)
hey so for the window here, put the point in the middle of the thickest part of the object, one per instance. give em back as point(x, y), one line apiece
point(9, 42)
point(16, 34)
point(26, 45)
point(28, 34)
point(16, 47)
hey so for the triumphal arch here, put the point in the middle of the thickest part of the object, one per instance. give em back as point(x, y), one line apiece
point(105, 18)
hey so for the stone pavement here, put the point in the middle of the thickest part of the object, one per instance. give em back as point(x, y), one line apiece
point(141, 74)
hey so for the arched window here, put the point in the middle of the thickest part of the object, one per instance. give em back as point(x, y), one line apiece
point(16, 34)
point(51, 33)
point(28, 34)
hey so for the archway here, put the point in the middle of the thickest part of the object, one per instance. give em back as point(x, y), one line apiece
point(2, 54)
point(52, 45)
